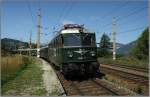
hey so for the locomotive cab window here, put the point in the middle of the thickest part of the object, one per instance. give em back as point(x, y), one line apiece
point(79, 39)
point(88, 39)
point(71, 40)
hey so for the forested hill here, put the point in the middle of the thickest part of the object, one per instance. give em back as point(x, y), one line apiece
point(13, 44)
point(141, 48)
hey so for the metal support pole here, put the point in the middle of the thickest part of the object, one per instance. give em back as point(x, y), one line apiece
point(114, 38)
point(30, 43)
point(38, 34)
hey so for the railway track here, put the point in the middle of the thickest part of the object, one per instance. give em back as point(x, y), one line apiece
point(136, 81)
point(140, 79)
point(129, 67)
point(91, 87)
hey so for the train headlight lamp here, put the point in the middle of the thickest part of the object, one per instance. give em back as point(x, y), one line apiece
point(70, 54)
point(93, 53)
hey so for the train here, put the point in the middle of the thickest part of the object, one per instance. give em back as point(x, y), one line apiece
point(73, 50)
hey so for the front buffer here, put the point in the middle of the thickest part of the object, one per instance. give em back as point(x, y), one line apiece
point(80, 69)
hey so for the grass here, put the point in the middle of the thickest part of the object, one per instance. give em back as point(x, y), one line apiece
point(28, 82)
point(11, 66)
point(129, 61)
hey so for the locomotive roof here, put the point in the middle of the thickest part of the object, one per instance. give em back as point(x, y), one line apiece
point(69, 28)
point(73, 28)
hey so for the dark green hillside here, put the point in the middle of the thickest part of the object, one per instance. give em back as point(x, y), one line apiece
point(141, 48)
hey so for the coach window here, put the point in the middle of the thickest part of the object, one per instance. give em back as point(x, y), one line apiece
point(56, 42)
point(59, 41)
point(53, 44)
point(62, 41)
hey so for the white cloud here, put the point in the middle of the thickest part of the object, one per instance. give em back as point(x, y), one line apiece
point(95, 18)
point(67, 22)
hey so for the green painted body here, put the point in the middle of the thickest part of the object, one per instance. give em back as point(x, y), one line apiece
point(60, 56)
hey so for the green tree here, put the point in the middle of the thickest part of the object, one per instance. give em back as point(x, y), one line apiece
point(141, 48)
point(104, 45)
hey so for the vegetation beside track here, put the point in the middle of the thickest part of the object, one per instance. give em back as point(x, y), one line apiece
point(26, 81)
point(137, 56)
point(11, 67)
point(139, 89)
point(127, 61)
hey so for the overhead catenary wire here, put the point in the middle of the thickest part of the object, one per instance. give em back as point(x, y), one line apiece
point(69, 9)
point(134, 20)
point(30, 12)
point(129, 30)
point(61, 15)
point(39, 5)
point(66, 11)
point(63, 11)
point(115, 10)
point(124, 17)
point(134, 12)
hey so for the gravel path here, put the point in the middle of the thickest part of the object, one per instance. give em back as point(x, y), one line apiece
point(51, 82)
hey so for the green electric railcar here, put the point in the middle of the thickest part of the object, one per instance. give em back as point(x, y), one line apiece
point(73, 50)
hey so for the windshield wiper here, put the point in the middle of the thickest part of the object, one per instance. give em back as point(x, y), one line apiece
point(85, 36)
point(76, 36)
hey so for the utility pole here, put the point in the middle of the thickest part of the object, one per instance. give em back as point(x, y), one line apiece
point(38, 33)
point(30, 43)
point(20, 46)
point(114, 38)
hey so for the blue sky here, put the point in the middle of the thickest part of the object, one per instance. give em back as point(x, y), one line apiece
point(19, 18)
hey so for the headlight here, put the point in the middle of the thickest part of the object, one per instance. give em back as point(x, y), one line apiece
point(70, 54)
point(93, 53)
